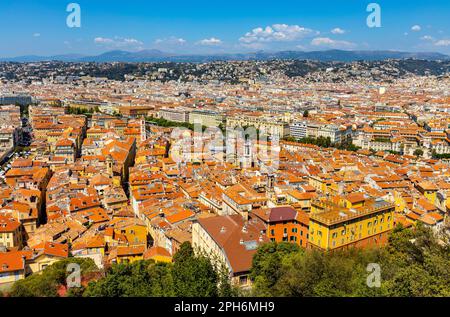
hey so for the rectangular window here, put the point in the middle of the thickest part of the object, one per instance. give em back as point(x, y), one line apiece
point(243, 280)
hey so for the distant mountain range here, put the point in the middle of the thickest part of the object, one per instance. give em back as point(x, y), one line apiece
point(159, 56)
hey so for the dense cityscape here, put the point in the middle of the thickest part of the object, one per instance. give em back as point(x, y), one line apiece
point(201, 157)
point(225, 178)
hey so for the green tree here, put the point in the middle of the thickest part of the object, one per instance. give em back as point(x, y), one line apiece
point(193, 275)
point(139, 279)
point(46, 284)
point(414, 263)
point(266, 266)
point(290, 139)
point(418, 152)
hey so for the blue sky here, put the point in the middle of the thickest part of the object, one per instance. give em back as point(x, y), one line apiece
point(200, 26)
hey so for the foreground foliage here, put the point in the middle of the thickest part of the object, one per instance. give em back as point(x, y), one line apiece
point(414, 264)
point(190, 275)
point(47, 283)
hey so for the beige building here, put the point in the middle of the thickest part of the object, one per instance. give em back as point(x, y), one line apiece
point(264, 125)
point(174, 114)
point(230, 241)
point(206, 118)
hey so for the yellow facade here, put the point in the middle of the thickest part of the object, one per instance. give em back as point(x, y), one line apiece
point(332, 227)
point(129, 258)
point(40, 263)
point(430, 195)
point(135, 234)
point(161, 258)
point(321, 184)
point(11, 239)
point(7, 279)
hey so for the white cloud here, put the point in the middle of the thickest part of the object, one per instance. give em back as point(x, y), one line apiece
point(435, 42)
point(337, 31)
point(427, 38)
point(171, 41)
point(37, 34)
point(327, 42)
point(118, 42)
point(277, 33)
point(210, 41)
point(442, 43)
point(416, 28)
point(102, 40)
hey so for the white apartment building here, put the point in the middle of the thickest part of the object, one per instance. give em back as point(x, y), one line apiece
point(298, 129)
point(174, 114)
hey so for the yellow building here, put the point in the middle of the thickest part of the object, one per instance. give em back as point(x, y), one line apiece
point(96, 133)
point(11, 234)
point(142, 156)
point(321, 182)
point(12, 268)
point(45, 254)
point(92, 247)
point(134, 230)
point(301, 199)
point(346, 224)
point(429, 190)
point(158, 254)
point(127, 254)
